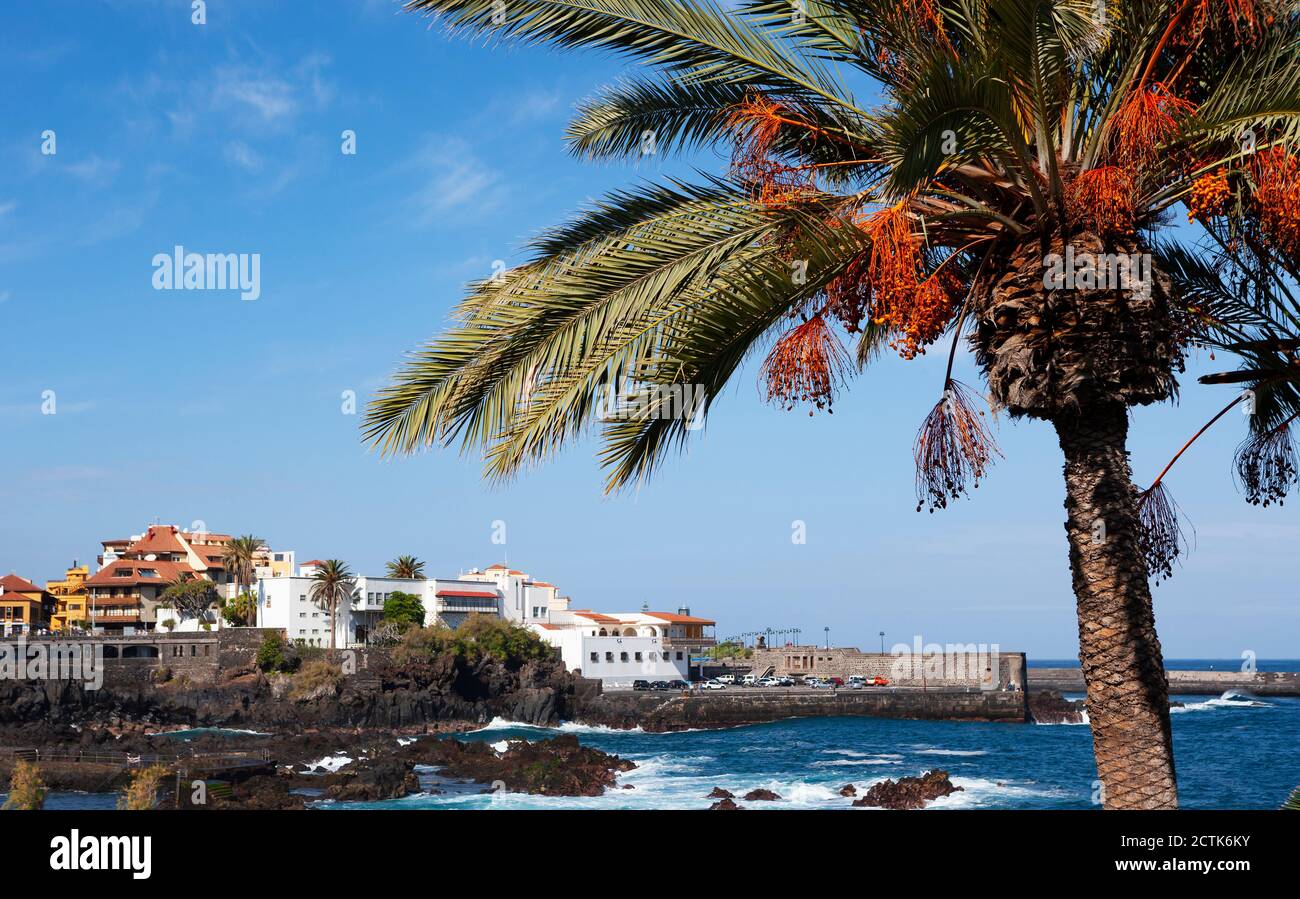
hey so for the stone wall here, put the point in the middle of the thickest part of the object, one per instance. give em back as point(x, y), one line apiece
point(941, 669)
point(736, 707)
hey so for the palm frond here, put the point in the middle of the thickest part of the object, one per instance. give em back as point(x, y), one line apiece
point(692, 39)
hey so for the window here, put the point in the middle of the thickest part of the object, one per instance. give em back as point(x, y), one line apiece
point(679, 655)
point(609, 657)
point(638, 656)
point(622, 657)
point(302, 614)
point(595, 657)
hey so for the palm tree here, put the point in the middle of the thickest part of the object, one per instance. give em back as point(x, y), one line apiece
point(332, 586)
point(1015, 145)
point(239, 555)
point(407, 568)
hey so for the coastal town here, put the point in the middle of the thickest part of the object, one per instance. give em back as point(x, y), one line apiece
point(252, 584)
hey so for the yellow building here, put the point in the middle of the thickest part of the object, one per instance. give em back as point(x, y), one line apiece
point(24, 607)
point(70, 597)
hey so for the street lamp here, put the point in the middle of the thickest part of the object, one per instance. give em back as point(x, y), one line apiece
point(828, 637)
point(882, 643)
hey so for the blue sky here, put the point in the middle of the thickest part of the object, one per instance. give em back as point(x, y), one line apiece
point(183, 406)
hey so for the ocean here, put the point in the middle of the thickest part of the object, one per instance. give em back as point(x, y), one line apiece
point(1232, 752)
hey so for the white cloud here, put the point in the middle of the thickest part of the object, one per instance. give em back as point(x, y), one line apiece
point(94, 170)
point(453, 178)
point(8, 207)
point(272, 99)
point(241, 154)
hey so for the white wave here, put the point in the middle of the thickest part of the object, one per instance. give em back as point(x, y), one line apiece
point(500, 723)
point(330, 763)
point(962, 752)
point(846, 763)
point(857, 754)
point(980, 792)
point(501, 746)
point(1083, 716)
point(207, 730)
point(405, 741)
point(1229, 700)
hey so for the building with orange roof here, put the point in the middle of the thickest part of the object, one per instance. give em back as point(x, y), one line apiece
point(123, 595)
point(623, 647)
point(24, 607)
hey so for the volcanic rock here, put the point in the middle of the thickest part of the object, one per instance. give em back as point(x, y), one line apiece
point(909, 792)
point(1050, 707)
point(761, 795)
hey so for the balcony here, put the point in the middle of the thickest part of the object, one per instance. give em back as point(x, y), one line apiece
point(467, 605)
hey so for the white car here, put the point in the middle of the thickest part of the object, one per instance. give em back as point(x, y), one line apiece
point(818, 684)
point(769, 682)
point(726, 678)
point(713, 685)
point(749, 680)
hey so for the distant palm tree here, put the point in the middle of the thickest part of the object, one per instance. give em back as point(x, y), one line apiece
point(406, 568)
point(332, 587)
point(1007, 140)
point(238, 556)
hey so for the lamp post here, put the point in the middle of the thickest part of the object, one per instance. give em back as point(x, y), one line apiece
point(882, 643)
point(828, 637)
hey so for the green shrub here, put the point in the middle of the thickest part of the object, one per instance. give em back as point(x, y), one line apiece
point(404, 610)
point(270, 655)
point(478, 636)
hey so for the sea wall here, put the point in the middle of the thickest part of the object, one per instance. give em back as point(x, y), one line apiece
point(948, 666)
point(1260, 683)
point(730, 708)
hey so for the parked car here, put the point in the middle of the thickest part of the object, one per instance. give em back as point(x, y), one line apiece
point(880, 681)
point(785, 681)
point(678, 685)
point(769, 682)
point(749, 680)
point(726, 678)
point(640, 685)
point(660, 685)
point(836, 681)
point(817, 683)
point(713, 685)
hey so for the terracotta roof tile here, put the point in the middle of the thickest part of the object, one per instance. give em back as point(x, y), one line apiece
point(15, 584)
point(679, 619)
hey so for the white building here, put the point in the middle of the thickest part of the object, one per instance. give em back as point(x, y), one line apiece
point(285, 602)
point(623, 647)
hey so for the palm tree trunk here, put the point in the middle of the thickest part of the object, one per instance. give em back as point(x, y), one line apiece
point(1128, 696)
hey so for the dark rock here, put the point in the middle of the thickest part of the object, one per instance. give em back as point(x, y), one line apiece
point(558, 767)
point(719, 793)
point(761, 796)
point(909, 792)
point(1050, 707)
point(724, 805)
point(848, 790)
